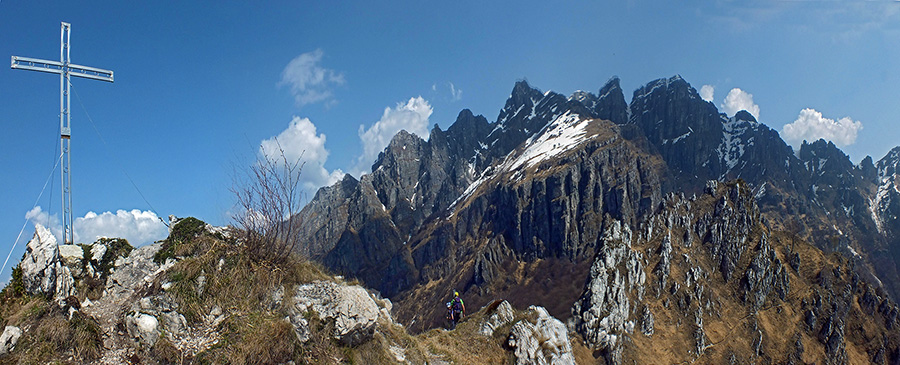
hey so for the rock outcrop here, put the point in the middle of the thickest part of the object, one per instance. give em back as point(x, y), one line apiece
point(540, 339)
point(500, 316)
point(602, 315)
point(9, 338)
point(354, 311)
point(43, 272)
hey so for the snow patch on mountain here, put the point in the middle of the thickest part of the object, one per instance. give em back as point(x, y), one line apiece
point(734, 141)
point(561, 135)
point(888, 189)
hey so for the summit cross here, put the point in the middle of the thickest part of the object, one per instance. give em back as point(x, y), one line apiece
point(65, 69)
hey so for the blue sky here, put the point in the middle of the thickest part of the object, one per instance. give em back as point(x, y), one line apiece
point(201, 85)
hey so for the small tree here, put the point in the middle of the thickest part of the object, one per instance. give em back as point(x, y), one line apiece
point(268, 197)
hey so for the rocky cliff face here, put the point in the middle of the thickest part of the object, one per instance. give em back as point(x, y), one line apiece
point(885, 205)
point(362, 227)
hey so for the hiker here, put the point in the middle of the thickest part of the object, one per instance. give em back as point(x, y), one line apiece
point(456, 310)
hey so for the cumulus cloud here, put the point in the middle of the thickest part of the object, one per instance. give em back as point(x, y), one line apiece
point(811, 126)
point(738, 100)
point(136, 226)
point(455, 94)
point(411, 116)
point(310, 82)
point(706, 92)
point(301, 142)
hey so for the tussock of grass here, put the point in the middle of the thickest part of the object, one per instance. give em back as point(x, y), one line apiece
point(115, 247)
point(271, 341)
point(51, 335)
point(165, 352)
point(181, 240)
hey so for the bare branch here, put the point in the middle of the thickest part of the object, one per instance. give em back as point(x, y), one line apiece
point(268, 196)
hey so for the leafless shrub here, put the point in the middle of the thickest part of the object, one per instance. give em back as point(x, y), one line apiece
point(268, 196)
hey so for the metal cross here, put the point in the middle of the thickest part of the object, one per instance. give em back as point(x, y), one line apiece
point(65, 69)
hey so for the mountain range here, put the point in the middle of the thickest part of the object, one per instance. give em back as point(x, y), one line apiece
point(612, 214)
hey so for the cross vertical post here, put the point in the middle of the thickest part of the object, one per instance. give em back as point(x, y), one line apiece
point(65, 69)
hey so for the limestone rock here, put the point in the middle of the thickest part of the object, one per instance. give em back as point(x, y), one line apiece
point(502, 315)
point(545, 341)
point(144, 328)
point(42, 270)
point(647, 321)
point(138, 268)
point(164, 308)
point(73, 257)
point(97, 251)
point(602, 313)
point(765, 275)
point(353, 310)
point(9, 338)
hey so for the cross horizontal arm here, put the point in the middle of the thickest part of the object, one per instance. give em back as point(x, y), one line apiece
point(34, 64)
point(90, 72)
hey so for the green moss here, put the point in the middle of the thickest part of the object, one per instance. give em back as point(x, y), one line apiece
point(115, 248)
point(183, 233)
point(86, 255)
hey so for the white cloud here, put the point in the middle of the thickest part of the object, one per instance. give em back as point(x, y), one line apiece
point(738, 100)
point(455, 94)
point(411, 116)
point(706, 92)
point(309, 82)
point(301, 142)
point(811, 126)
point(136, 226)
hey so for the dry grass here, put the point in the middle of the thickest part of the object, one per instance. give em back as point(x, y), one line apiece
point(220, 273)
point(165, 352)
point(465, 345)
point(49, 334)
point(269, 341)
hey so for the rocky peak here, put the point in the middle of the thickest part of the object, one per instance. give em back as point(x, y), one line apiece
point(584, 97)
point(685, 129)
point(527, 112)
point(745, 116)
point(403, 146)
point(889, 165)
point(611, 104)
point(465, 136)
point(868, 170)
point(820, 157)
